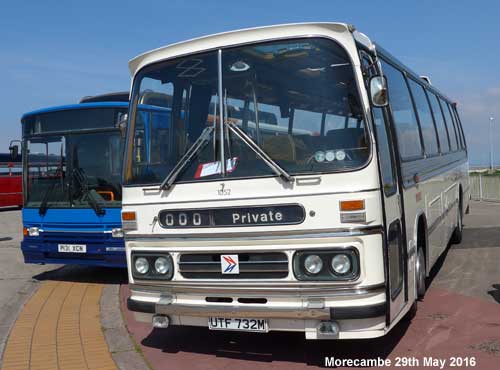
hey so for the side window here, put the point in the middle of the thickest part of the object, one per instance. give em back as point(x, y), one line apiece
point(425, 118)
point(457, 128)
point(462, 134)
point(405, 121)
point(384, 149)
point(444, 142)
point(450, 126)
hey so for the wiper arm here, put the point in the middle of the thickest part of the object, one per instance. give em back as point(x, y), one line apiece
point(262, 154)
point(202, 140)
point(81, 178)
point(42, 210)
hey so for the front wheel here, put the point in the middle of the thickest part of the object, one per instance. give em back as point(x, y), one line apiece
point(456, 237)
point(420, 273)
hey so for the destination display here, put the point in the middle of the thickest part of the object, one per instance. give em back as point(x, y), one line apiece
point(236, 216)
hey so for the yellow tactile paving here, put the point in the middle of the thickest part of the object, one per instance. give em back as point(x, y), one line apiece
point(59, 329)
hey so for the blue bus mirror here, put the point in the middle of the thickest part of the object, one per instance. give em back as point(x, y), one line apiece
point(14, 151)
point(122, 124)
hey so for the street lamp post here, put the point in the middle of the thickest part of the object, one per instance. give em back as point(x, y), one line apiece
point(491, 143)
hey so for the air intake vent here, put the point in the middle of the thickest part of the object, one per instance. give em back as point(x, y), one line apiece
point(252, 266)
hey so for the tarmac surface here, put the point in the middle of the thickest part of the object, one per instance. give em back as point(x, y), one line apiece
point(76, 318)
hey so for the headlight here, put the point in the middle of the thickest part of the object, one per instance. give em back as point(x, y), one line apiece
point(152, 266)
point(33, 231)
point(141, 265)
point(341, 264)
point(117, 233)
point(313, 264)
point(162, 265)
point(335, 264)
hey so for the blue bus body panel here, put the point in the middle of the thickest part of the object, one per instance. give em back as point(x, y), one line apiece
point(74, 226)
point(75, 107)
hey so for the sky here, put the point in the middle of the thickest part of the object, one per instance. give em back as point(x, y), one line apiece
point(54, 52)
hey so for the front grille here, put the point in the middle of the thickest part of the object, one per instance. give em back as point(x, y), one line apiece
point(252, 266)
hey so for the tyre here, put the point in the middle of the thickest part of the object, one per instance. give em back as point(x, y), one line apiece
point(456, 237)
point(420, 273)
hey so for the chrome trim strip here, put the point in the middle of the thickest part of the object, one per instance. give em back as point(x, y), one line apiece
point(256, 290)
point(249, 198)
point(241, 263)
point(75, 231)
point(217, 272)
point(219, 310)
point(322, 233)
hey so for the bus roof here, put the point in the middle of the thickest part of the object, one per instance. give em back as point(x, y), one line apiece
point(237, 37)
point(122, 96)
point(115, 104)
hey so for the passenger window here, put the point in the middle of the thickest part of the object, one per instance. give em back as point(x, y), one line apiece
point(425, 118)
point(449, 125)
point(455, 124)
point(444, 142)
point(461, 129)
point(405, 121)
point(384, 150)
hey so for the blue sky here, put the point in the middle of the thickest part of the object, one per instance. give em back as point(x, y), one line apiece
point(52, 54)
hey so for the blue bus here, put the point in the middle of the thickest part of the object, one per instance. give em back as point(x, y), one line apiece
point(72, 167)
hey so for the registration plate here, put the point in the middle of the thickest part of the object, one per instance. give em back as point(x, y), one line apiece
point(222, 323)
point(72, 248)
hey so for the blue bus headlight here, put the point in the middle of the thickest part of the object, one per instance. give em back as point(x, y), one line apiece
point(33, 231)
point(117, 233)
point(141, 265)
point(341, 264)
point(162, 265)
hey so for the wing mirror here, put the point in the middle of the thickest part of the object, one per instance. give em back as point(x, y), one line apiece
point(14, 150)
point(122, 124)
point(378, 91)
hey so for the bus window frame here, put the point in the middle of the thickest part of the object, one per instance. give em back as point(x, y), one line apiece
point(427, 93)
point(404, 73)
point(455, 111)
point(442, 100)
point(455, 125)
point(426, 155)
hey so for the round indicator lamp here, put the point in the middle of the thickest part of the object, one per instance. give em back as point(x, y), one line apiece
point(319, 156)
point(330, 155)
point(340, 155)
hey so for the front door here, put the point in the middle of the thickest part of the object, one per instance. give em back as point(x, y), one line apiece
point(395, 252)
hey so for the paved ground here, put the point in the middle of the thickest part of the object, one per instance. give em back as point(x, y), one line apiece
point(460, 316)
point(69, 317)
point(16, 279)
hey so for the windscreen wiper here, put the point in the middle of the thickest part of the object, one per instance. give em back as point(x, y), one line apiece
point(42, 210)
point(258, 150)
point(202, 140)
point(82, 181)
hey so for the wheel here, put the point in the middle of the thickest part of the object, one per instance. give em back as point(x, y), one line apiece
point(456, 237)
point(420, 273)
